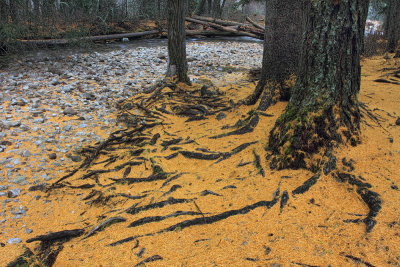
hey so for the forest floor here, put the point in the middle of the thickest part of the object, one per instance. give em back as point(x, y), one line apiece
point(166, 191)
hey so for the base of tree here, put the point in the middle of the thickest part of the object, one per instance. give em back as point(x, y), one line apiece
point(270, 92)
point(303, 139)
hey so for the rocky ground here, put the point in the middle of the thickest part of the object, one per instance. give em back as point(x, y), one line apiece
point(53, 104)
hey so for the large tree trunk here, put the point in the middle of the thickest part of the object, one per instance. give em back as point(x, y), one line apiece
point(323, 109)
point(177, 64)
point(392, 25)
point(283, 33)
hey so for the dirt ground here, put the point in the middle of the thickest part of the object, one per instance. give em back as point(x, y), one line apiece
point(225, 210)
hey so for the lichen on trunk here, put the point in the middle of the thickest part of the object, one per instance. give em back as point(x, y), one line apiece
point(323, 109)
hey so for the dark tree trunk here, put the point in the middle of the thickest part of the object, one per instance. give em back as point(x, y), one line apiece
point(323, 109)
point(3, 11)
point(216, 9)
point(392, 25)
point(283, 33)
point(209, 6)
point(201, 7)
point(177, 64)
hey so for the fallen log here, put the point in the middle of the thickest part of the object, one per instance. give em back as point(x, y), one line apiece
point(221, 22)
point(89, 38)
point(233, 25)
point(226, 29)
point(255, 24)
point(210, 33)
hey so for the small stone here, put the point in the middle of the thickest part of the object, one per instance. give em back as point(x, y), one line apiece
point(13, 193)
point(25, 153)
point(19, 179)
point(28, 231)
point(76, 158)
point(221, 116)
point(161, 56)
point(398, 122)
point(3, 187)
point(9, 124)
point(53, 156)
point(14, 241)
point(70, 111)
point(39, 120)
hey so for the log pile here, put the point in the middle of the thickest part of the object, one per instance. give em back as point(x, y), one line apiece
point(211, 28)
point(231, 27)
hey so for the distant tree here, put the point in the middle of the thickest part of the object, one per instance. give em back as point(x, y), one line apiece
point(213, 8)
point(323, 110)
point(392, 24)
point(283, 33)
point(177, 63)
point(201, 7)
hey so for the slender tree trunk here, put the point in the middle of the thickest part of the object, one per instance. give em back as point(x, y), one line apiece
point(216, 8)
point(221, 10)
point(209, 6)
point(177, 64)
point(3, 11)
point(392, 25)
point(201, 7)
point(323, 109)
point(283, 33)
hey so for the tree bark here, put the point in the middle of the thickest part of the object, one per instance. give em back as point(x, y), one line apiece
point(283, 33)
point(392, 25)
point(177, 63)
point(323, 109)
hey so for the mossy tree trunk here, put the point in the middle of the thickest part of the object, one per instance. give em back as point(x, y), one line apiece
point(323, 109)
point(177, 63)
point(284, 26)
point(392, 25)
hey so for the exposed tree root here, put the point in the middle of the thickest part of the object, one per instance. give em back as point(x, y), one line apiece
point(197, 155)
point(284, 199)
point(66, 234)
point(169, 201)
point(151, 178)
point(306, 186)
point(49, 248)
point(104, 225)
point(356, 259)
point(150, 259)
point(371, 198)
point(146, 220)
point(248, 128)
point(171, 179)
point(257, 164)
point(204, 220)
point(22, 260)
